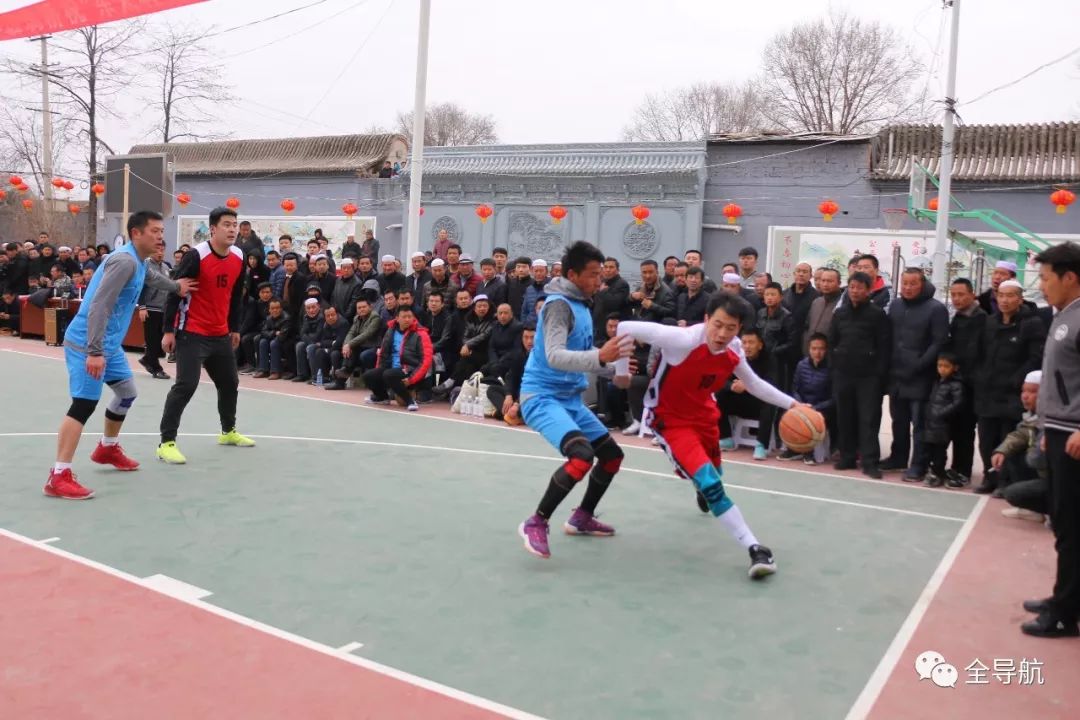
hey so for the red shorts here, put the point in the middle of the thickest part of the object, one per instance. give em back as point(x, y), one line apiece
point(689, 447)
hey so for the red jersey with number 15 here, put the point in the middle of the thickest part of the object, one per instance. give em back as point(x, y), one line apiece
point(207, 311)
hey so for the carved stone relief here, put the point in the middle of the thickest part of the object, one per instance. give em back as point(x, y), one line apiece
point(448, 224)
point(640, 241)
point(533, 237)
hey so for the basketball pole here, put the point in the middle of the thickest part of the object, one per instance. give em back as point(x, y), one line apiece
point(416, 165)
point(941, 227)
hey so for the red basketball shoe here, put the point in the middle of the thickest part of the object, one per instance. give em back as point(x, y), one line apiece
point(64, 485)
point(113, 455)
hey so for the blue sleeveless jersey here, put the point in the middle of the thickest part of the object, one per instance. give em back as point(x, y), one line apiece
point(120, 317)
point(540, 378)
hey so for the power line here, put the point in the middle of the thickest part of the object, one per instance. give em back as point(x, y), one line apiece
point(1025, 76)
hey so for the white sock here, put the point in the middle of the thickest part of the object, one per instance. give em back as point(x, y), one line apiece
point(61, 467)
point(109, 440)
point(736, 525)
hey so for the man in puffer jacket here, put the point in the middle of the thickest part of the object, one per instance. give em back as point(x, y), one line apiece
point(404, 361)
point(812, 385)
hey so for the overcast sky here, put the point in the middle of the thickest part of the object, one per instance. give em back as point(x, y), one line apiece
point(572, 71)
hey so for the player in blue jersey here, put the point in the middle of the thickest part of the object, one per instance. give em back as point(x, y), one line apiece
point(92, 348)
point(551, 402)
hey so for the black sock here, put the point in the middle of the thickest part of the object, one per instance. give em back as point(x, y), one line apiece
point(598, 485)
point(559, 487)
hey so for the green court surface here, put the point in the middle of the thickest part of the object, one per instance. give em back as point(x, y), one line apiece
point(398, 531)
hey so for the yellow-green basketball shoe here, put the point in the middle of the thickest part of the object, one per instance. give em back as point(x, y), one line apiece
point(234, 438)
point(168, 452)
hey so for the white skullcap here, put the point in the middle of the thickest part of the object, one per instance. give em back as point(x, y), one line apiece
point(1034, 377)
point(557, 262)
point(347, 261)
point(731, 279)
point(418, 255)
point(1005, 265)
point(389, 258)
point(320, 256)
point(63, 248)
point(539, 263)
point(311, 301)
point(1011, 284)
point(438, 262)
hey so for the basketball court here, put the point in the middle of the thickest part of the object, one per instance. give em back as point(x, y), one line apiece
point(364, 562)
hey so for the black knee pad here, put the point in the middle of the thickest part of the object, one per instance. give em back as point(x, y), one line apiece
point(576, 447)
point(81, 409)
point(609, 456)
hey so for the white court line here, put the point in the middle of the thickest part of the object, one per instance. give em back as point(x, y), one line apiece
point(525, 429)
point(548, 458)
point(175, 588)
point(46, 541)
point(290, 637)
point(870, 693)
point(350, 647)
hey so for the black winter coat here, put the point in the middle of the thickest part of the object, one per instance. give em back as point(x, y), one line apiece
point(860, 342)
point(920, 329)
point(946, 402)
point(965, 341)
point(1008, 353)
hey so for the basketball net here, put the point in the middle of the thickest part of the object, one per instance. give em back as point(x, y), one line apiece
point(894, 219)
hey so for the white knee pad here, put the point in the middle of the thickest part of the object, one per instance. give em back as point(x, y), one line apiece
point(124, 394)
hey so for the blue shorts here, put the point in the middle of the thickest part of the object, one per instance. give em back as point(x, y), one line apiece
point(79, 381)
point(554, 417)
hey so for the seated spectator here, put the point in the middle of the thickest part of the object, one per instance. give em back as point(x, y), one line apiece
point(943, 409)
point(504, 333)
point(360, 347)
point(504, 382)
point(274, 337)
point(1020, 457)
point(405, 297)
point(735, 401)
point(473, 354)
point(812, 385)
point(387, 307)
point(324, 355)
point(254, 317)
point(9, 312)
point(404, 362)
point(440, 324)
point(310, 329)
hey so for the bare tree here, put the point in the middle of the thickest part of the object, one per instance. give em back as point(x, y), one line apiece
point(21, 142)
point(186, 86)
point(839, 74)
point(695, 112)
point(448, 124)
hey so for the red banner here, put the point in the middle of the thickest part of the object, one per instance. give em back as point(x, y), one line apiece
point(50, 16)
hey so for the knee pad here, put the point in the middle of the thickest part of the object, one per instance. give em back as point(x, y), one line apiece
point(579, 457)
point(81, 409)
point(609, 455)
point(708, 482)
point(123, 398)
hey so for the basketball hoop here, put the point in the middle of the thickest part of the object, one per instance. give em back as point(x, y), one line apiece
point(894, 219)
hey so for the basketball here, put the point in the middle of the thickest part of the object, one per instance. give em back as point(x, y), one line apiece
point(801, 428)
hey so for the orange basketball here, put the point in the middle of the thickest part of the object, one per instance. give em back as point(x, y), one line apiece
point(801, 428)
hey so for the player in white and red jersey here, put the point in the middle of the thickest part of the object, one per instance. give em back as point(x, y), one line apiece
point(696, 362)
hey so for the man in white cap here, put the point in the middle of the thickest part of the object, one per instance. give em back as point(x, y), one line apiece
point(346, 290)
point(1023, 461)
point(1012, 346)
point(351, 248)
point(439, 283)
point(535, 290)
point(1003, 270)
point(390, 278)
point(420, 275)
point(1059, 414)
point(466, 278)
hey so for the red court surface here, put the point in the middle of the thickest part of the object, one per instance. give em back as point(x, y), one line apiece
point(976, 614)
point(79, 642)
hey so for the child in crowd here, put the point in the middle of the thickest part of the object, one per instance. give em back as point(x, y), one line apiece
point(945, 404)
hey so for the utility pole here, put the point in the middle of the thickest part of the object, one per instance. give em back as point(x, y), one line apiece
point(416, 165)
point(46, 123)
point(941, 228)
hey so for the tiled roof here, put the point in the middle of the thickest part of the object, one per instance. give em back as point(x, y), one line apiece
point(783, 136)
point(989, 153)
point(339, 153)
point(604, 160)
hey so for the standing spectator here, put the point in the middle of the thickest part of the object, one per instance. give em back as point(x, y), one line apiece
point(419, 277)
point(370, 247)
point(517, 283)
point(693, 259)
point(250, 243)
point(404, 362)
point(880, 292)
point(920, 329)
point(534, 290)
point(152, 313)
point(1059, 411)
point(17, 272)
point(453, 257)
point(690, 304)
point(652, 300)
point(965, 338)
point(778, 330)
point(351, 248)
point(859, 342)
point(346, 290)
point(748, 266)
point(945, 404)
point(669, 271)
point(491, 284)
point(1003, 270)
point(612, 297)
point(797, 300)
point(465, 278)
point(820, 316)
point(500, 256)
point(255, 273)
point(442, 244)
point(1012, 346)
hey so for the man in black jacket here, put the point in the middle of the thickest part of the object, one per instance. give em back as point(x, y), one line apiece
point(859, 342)
point(965, 335)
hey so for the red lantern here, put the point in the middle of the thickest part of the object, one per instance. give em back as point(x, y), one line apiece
point(68, 185)
point(933, 204)
point(828, 209)
point(557, 213)
point(23, 188)
point(640, 212)
point(183, 199)
point(3, 195)
point(15, 181)
point(232, 203)
point(98, 189)
point(349, 209)
point(1063, 199)
point(73, 209)
point(57, 183)
point(421, 211)
point(288, 205)
point(28, 204)
point(483, 212)
point(732, 212)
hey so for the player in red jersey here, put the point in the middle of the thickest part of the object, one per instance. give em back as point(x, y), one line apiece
point(204, 332)
point(696, 362)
